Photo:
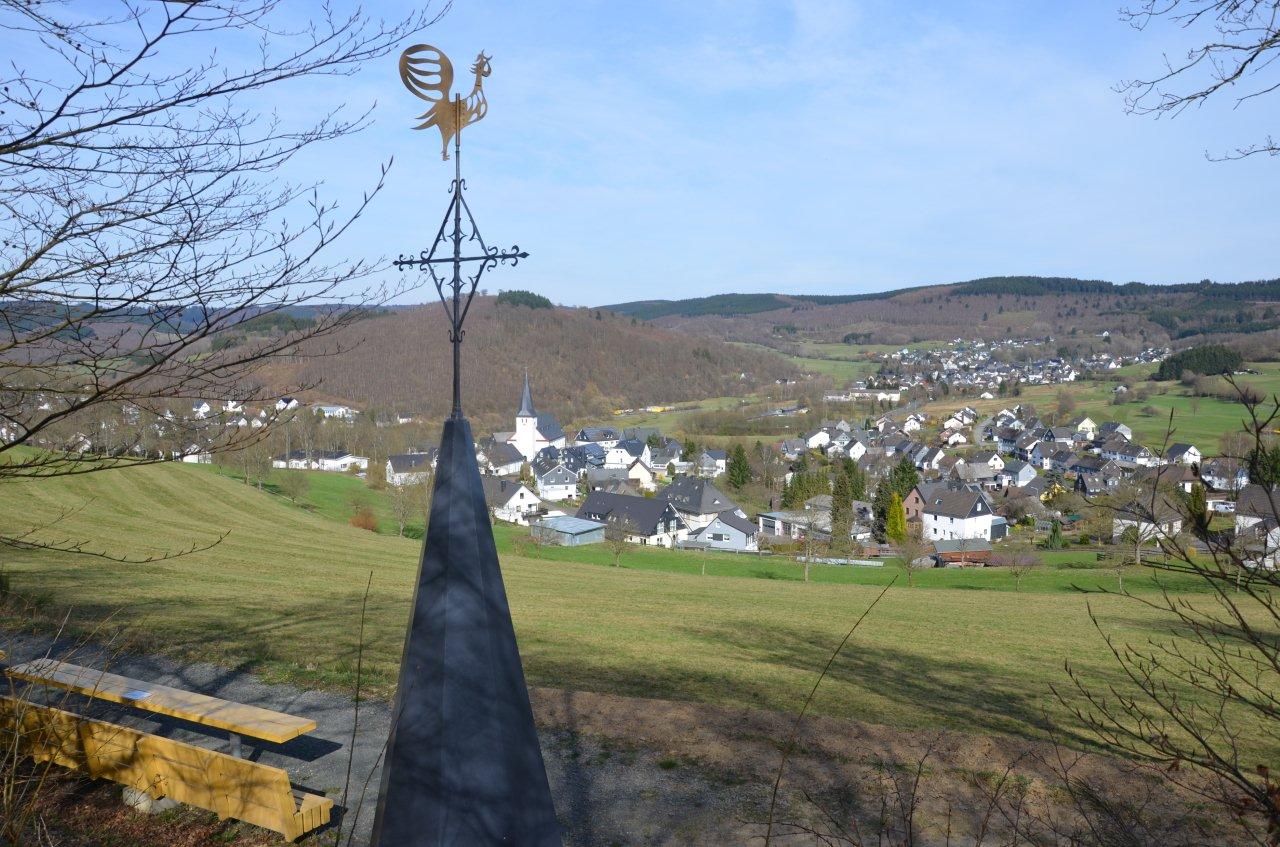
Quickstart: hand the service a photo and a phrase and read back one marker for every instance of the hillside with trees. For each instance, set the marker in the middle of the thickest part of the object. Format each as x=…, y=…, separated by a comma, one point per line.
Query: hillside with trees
x=993, y=307
x=584, y=363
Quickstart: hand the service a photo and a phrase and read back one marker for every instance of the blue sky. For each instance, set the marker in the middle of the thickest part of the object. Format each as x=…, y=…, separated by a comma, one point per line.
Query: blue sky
x=688, y=148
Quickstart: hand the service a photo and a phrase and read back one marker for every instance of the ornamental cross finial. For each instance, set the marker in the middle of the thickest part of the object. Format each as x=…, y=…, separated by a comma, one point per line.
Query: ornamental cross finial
x=428, y=74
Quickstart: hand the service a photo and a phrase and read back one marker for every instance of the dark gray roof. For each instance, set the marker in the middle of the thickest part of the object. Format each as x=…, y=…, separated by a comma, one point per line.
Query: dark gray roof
x=498, y=491
x=549, y=426
x=1255, y=501
x=526, y=401
x=633, y=446
x=957, y=504
x=574, y=458
x=407, y=462
x=594, y=454
x=556, y=475
x=641, y=513
x=737, y=521
x=597, y=433
x=503, y=454
x=697, y=496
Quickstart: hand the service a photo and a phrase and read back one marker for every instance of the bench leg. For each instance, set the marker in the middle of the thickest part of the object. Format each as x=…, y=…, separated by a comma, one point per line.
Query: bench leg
x=233, y=748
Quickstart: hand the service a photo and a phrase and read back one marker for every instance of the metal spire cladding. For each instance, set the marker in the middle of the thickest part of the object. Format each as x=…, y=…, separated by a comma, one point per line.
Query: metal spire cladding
x=463, y=766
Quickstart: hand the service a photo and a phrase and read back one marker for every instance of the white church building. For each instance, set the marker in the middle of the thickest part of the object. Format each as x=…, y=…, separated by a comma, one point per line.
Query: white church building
x=534, y=431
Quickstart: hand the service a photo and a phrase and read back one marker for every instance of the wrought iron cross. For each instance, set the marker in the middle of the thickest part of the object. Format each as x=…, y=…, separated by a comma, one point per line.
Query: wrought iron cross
x=456, y=303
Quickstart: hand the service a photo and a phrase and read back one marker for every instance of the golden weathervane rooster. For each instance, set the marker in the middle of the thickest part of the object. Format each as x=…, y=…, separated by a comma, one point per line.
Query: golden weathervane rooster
x=428, y=74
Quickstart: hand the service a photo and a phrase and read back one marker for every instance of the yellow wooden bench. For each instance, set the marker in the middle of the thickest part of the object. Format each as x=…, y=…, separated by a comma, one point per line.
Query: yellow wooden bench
x=230, y=787
x=236, y=718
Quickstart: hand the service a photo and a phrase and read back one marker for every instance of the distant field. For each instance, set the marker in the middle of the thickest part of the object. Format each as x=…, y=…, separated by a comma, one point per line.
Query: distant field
x=281, y=595
x=844, y=363
x=1200, y=420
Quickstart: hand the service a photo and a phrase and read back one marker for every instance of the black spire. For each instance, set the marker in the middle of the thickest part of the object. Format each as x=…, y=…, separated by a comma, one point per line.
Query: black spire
x=463, y=765
x=526, y=401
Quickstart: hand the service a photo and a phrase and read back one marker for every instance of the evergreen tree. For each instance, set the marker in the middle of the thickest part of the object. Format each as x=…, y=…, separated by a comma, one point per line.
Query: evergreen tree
x=904, y=477
x=857, y=479
x=739, y=469
x=1197, y=511
x=1055, y=541
x=895, y=527
x=880, y=509
x=841, y=499
x=1264, y=465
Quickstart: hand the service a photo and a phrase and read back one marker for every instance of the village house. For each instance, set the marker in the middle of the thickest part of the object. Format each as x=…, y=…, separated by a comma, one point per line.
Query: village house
x=338, y=461
x=605, y=436
x=644, y=520
x=1015, y=473
x=817, y=440
x=1098, y=484
x=797, y=525
x=626, y=451
x=956, y=514
x=1224, y=474
x=990, y=458
x=1110, y=429
x=1257, y=525
x=1166, y=478
x=337, y=412
x=1130, y=454
x=1182, y=454
x=1151, y=522
x=792, y=448
x=698, y=501
x=501, y=459
x=410, y=468
x=641, y=475
x=1086, y=426
x=711, y=463
x=510, y=500
x=729, y=530
x=613, y=480
x=555, y=483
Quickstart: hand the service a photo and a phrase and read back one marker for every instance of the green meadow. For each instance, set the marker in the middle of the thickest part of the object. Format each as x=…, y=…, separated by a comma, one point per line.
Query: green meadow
x=281, y=590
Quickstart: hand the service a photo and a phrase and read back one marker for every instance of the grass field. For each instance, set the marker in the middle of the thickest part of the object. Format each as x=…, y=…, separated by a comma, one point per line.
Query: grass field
x=281, y=595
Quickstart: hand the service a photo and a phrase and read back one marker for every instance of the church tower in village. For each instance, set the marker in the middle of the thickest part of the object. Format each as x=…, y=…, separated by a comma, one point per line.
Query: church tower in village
x=526, y=437
x=534, y=431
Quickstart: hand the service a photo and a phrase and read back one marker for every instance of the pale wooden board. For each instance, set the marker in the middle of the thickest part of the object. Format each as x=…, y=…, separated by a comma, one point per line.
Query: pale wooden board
x=239, y=718
x=231, y=787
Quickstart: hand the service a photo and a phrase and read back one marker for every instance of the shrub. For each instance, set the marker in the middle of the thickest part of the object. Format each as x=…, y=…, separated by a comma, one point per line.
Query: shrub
x=364, y=519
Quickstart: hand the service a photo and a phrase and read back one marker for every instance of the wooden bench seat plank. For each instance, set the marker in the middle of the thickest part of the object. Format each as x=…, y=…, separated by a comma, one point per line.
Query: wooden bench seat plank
x=230, y=787
x=252, y=721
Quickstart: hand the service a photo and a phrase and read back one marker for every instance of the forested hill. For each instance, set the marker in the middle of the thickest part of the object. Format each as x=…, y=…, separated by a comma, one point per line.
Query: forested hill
x=729, y=305
x=583, y=363
x=994, y=307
